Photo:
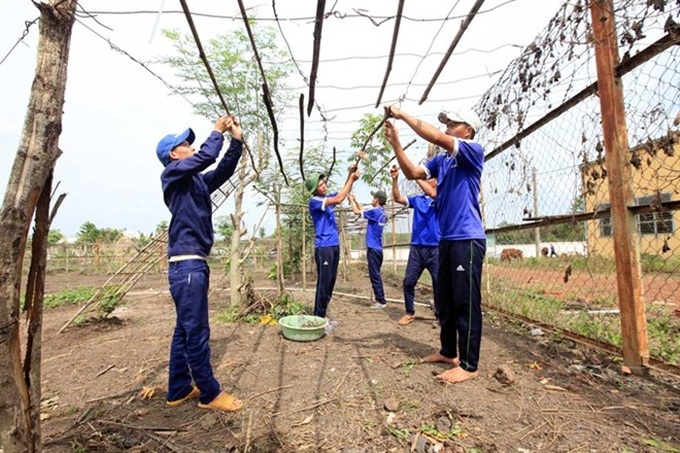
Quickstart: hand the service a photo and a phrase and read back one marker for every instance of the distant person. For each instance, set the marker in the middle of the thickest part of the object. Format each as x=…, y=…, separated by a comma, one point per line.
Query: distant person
x=374, y=244
x=326, y=240
x=424, y=251
x=552, y=251
x=186, y=192
x=462, y=243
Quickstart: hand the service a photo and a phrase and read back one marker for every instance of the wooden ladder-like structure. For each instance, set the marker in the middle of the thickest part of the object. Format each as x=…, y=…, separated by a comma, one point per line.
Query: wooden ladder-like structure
x=120, y=283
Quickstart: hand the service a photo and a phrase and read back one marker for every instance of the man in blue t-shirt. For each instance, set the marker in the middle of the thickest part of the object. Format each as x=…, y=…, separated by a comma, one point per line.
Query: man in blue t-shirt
x=374, y=248
x=326, y=240
x=186, y=192
x=463, y=242
x=424, y=251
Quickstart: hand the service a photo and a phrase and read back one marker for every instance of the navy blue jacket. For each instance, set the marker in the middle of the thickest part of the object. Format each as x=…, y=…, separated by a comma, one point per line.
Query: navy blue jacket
x=186, y=192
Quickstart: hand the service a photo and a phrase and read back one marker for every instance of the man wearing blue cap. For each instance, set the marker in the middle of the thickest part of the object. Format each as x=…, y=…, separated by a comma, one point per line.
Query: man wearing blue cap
x=374, y=245
x=326, y=240
x=462, y=244
x=186, y=192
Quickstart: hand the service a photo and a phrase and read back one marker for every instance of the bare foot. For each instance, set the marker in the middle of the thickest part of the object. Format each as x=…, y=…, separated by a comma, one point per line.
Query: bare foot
x=457, y=375
x=438, y=358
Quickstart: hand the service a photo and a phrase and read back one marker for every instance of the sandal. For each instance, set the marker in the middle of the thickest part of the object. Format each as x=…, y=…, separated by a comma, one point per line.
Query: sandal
x=406, y=320
x=223, y=402
x=192, y=394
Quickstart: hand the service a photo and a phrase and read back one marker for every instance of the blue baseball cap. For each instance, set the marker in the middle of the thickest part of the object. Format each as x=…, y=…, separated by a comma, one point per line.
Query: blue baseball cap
x=169, y=142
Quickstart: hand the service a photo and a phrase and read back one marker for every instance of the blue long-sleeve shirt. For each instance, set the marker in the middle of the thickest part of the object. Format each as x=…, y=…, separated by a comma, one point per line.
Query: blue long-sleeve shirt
x=186, y=192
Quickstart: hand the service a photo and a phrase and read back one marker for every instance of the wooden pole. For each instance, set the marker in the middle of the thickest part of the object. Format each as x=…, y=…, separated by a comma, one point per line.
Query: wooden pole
x=394, y=238
x=537, y=231
x=279, y=246
x=304, y=248
x=626, y=252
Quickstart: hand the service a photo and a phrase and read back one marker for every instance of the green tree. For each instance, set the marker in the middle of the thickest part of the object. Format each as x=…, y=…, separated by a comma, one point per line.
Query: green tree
x=224, y=227
x=376, y=153
x=161, y=227
x=568, y=232
x=54, y=237
x=262, y=232
x=90, y=234
x=232, y=59
x=525, y=236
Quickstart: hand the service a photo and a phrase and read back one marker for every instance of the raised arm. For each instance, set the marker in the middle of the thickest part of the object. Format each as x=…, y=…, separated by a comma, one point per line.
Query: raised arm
x=354, y=204
x=225, y=169
x=410, y=170
x=352, y=176
x=425, y=130
x=429, y=187
x=396, y=194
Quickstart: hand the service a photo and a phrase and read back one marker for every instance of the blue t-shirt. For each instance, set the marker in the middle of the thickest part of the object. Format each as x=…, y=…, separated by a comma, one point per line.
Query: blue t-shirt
x=376, y=223
x=425, y=227
x=324, y=222
x=459, y=176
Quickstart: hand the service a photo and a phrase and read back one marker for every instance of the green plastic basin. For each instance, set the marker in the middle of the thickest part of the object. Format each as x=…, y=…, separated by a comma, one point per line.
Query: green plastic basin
x=302, y=327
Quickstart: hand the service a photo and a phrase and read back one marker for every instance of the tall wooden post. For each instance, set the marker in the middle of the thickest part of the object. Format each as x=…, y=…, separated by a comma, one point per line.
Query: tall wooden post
x=304, y=248
x=394, y=237
x=626, y=253
x=279, y=246
x=537, y=231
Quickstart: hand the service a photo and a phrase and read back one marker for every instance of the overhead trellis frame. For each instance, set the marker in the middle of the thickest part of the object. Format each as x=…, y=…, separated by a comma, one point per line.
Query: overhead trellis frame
x=463, y=26
x=302, y=74
x=320, y=8
x=201, y=53
x=395, y=36
x=265, y=88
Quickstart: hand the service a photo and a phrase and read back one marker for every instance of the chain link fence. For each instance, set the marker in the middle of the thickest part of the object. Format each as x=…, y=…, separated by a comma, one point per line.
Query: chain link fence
x=546, y=191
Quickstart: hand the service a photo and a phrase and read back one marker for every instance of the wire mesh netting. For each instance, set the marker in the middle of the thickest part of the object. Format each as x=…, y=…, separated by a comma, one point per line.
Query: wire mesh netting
x=546, y=191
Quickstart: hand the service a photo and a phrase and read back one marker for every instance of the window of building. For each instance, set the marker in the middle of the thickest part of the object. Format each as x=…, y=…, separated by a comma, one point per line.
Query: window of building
x=654, y=222
x=650, y=223
x=605, y=222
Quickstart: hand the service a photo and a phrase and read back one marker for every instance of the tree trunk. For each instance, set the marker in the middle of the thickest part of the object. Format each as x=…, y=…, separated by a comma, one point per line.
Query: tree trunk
x=35, y=292
x=35, y=158
x=235, y=260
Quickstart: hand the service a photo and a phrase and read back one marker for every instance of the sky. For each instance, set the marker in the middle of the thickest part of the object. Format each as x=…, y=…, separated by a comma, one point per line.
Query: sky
x=115, y=111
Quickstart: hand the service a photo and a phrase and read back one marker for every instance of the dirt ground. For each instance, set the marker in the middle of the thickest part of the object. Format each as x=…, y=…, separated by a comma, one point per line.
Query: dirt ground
x=359, y=389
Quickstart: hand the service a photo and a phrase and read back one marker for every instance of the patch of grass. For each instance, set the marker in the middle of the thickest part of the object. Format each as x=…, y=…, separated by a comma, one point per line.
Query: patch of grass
x=659, y=264
x=432, y=431
x=369, y=423
x=411, y=405
x=597, y=264
x=69, y=296
x=661, y=445
x=108, y=304
x=287, y=306
x=593, y=327
x=234, y=314
x=401, y=434
x=663, y=332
